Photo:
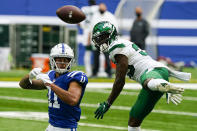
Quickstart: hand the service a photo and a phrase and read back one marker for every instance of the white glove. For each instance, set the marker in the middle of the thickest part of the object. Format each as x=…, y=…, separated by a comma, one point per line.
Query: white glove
x=174, y=98
x=33, y=73
x=45, y=78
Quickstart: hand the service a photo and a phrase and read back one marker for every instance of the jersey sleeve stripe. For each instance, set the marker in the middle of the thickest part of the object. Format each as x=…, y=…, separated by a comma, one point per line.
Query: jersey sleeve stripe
x=63, y=50
x=49, y=72
x=116, y=46
x=75, y=73
x=70, y=73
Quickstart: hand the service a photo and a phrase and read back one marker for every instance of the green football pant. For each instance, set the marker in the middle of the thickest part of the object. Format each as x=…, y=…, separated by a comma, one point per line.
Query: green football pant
x=147, y=99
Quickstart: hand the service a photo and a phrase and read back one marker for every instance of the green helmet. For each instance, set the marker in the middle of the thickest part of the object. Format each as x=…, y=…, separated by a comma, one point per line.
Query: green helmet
x=104, y=33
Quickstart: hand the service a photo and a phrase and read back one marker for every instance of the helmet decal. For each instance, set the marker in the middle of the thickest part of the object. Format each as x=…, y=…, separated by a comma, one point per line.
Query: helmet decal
x=62, y=48
x=104, y=33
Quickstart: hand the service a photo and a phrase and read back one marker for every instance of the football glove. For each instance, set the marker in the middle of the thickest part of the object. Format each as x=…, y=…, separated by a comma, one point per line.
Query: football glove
x=174, y=98
x=103, y=107
x=45, y=78
x=169, y=88
x=33, y=73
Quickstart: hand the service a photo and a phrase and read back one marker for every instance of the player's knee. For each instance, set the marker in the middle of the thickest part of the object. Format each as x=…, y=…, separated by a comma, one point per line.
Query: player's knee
x=153, y=83
x=146, y=83
x=133, y=122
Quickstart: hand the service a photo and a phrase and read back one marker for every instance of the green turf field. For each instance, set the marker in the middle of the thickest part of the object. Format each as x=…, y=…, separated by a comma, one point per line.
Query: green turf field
x=16, y=74
x=165, y=117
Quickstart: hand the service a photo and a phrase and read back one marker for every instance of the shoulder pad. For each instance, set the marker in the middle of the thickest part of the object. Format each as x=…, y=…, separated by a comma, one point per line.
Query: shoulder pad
x=74, y=73
x=116, y=46
x=51, y=71
x=78, y=76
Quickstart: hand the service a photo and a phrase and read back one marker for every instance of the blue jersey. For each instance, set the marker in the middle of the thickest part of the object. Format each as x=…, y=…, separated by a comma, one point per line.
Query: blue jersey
x=61, y=114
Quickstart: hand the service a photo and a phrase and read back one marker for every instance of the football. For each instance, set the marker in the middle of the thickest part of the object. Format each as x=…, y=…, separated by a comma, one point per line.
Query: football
x=70, y=14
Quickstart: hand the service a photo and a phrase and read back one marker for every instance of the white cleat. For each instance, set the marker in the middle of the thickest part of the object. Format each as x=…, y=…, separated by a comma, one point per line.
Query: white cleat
x=165, y=87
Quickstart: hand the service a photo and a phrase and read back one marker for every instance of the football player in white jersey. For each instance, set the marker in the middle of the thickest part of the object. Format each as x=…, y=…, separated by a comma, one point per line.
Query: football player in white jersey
x=89, y=11
x=132, y=61
x=65, y=89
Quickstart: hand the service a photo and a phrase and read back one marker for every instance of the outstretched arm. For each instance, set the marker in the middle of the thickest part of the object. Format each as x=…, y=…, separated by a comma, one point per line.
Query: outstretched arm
x=121, y=71
x=36, y=84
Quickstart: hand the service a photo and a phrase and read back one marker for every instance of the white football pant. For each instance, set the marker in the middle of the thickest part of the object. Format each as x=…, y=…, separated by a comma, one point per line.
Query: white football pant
x=52, y=128
x=87, y=63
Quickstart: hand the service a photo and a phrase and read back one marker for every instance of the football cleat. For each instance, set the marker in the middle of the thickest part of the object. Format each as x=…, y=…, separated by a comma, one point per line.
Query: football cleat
x=165, y=87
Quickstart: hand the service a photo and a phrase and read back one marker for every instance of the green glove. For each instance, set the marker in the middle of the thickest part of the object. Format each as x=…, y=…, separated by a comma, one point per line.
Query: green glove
x=103, y=107
x=89, y=47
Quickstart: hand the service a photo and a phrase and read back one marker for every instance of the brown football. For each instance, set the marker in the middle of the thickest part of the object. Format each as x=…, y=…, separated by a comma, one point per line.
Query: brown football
x=70, y=14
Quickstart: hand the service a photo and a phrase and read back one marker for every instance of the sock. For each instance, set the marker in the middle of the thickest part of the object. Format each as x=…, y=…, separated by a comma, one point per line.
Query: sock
x=153, y=83
x=134, y=128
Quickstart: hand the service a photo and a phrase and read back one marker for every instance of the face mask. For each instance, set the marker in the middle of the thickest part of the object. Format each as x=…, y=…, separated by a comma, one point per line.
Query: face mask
x=102, y=11
x=138, y=14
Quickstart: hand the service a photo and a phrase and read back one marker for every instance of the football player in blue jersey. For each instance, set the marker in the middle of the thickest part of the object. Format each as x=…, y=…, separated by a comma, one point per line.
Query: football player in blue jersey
x=65, y=89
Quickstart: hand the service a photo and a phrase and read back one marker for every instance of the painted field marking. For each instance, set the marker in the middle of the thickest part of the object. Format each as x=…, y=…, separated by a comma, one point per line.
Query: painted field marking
x=193, y=86
x=155, y=111
x=96, y=105
x=43, y=116
x=111, y=127
x=135, y=94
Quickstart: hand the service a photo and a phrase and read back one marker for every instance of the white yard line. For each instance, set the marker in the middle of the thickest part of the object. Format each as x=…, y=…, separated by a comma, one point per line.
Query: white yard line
x=103, y=126
x=111, y=127
x=190, y=98
x=43, y=116
x=96, y=105
x=135, y=94
x=98, y=86
x=193, y=86
x=155, y=111
x=108, y=92
x=89, y=90
x=24, y=99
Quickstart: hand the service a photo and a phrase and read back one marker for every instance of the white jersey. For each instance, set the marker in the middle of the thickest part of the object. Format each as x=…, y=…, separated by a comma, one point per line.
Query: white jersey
x=138, y=60
x=89, y=11
x=107, y=16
